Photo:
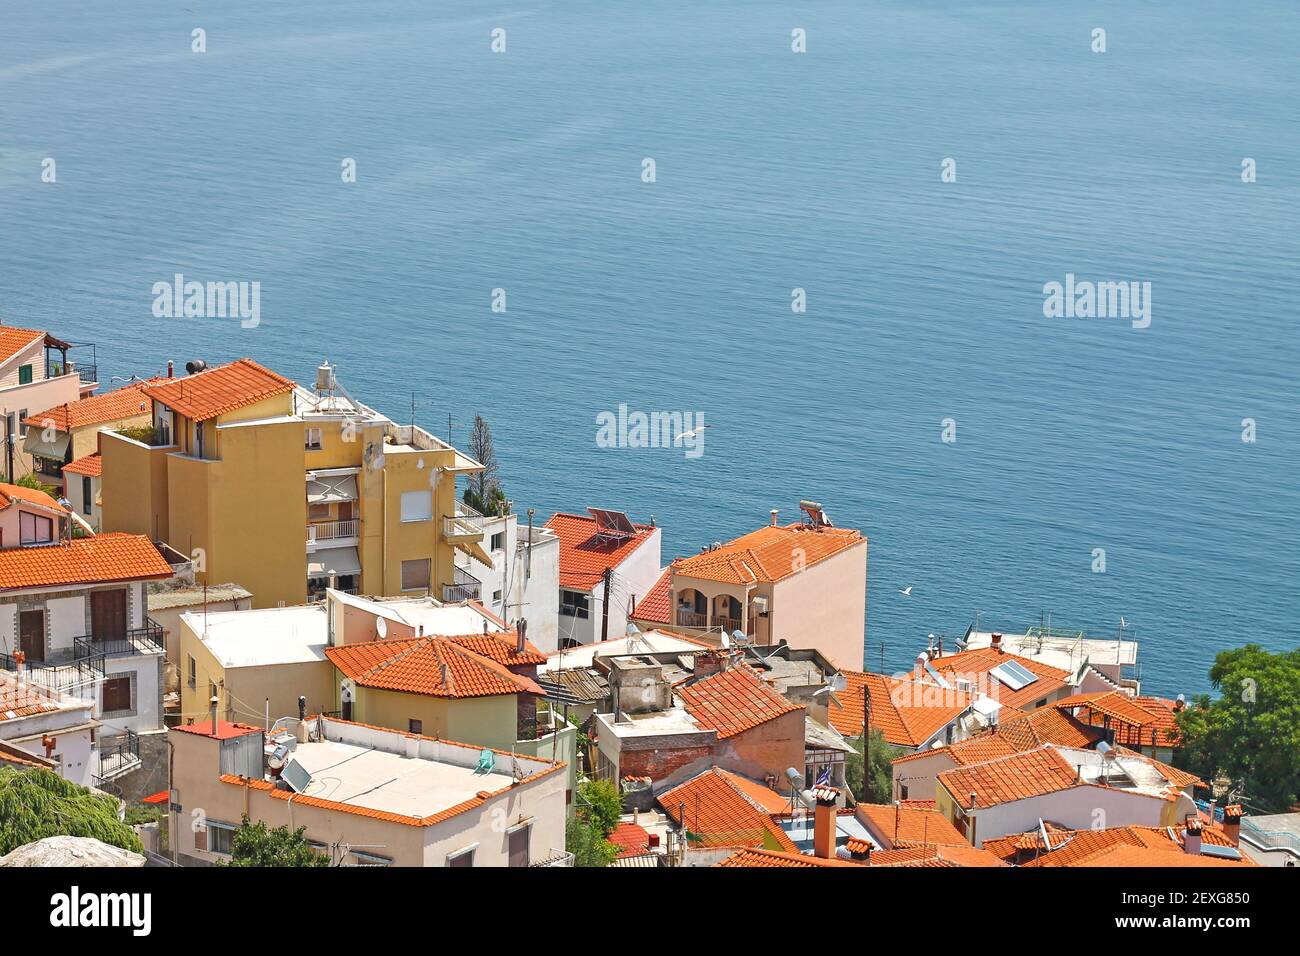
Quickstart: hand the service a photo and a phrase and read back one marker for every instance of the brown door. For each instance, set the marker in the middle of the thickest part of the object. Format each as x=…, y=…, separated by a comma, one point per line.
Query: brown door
x=519, y=846
x=117, y=694
x=31, y=634
x=108, y=615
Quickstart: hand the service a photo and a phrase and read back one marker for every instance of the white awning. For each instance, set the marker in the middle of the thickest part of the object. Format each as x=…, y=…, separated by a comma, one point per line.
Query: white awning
x=324, y=489
x=57, y=449
x=333, y=561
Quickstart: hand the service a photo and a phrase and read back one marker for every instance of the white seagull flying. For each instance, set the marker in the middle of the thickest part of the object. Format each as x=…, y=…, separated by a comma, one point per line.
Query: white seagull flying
x=907, y=591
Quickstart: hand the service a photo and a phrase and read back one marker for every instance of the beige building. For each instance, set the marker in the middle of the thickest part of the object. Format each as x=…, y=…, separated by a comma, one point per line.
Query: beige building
x=35, y=373
x=803, y=583
x=366, y=795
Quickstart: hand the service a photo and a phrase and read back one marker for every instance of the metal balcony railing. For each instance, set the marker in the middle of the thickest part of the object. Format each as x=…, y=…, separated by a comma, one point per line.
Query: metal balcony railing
x=117, y=756
x=62, y=675
x=464, y=587
x=555, y=858
x=138, y=640
x=332, y=530
x=467, y=522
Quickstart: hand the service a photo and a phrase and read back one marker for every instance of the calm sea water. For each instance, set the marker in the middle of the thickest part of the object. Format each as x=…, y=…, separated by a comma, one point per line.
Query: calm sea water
x=774, y=171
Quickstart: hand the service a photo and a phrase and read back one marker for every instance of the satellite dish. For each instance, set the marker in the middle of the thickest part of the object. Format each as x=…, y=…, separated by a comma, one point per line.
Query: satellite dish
x=381, y=628
x=738, y=637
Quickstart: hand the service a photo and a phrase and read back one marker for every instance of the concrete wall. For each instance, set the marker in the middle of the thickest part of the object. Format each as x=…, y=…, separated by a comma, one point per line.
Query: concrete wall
x=483, y=721
x=824, y=607
x=23, y=400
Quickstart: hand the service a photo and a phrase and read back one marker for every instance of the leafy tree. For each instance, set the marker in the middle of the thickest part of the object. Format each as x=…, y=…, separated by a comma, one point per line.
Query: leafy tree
x=601, y=804
x=255, y=845
x=1251, y=733
x=883, y=754
x=484, y=492
x=35, y=804
x=583, y=839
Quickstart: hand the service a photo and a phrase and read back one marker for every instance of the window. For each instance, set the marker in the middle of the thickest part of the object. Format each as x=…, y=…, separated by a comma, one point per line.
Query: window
x=519, y=839
x=313, y=442
x=415, y=726
x=87, y=496
x=34, y=529
x=221, y=838
x=117, y=695
x=499, y=541
x=463, y=857
x=22, y=423
x=197, y=450
x=417, y=505
x=574, y=603
x=496, y=595
x=24, y=374
x=415, y=574
x=193, y=670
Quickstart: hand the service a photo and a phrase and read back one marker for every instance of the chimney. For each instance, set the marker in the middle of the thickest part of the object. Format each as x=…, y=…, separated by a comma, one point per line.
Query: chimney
x=824, y=822
x=170, y=371
x=774, y=514
x=20, y=665
x=995, y=642
x=302, y=707
x=1232, y=822
x=860, y=852
x=212, y=708
x=708, y=662
x=521, y=629
x=921, y=660
x=974, y=799
x=49, y=743
x=1192, y=837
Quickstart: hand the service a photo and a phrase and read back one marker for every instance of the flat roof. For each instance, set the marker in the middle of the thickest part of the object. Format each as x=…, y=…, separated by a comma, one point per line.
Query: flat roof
x=192, y=594
x=675, y=720
x=379, y=780
x=427, y=613
x=276, y=635
x=1060, y=650
x=651, y=642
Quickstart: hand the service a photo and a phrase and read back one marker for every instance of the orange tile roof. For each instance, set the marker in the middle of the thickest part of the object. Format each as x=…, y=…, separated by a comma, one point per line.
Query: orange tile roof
x=903, y=826
x=630, y=838
x=499, y=647
x=733, y=701
x=1129, y=846
x=770, y=858
x=22, y=700
x=723, y=809
x=104, y=557
x=435, y=666
x=129, y=401
x=1017, y=777
x=975, y=665
x=1179, y=778
x=768, y=554
x=216, y=391
x=654, y=606
x=931, y=854
x=1047, y=725
x=226, y=730
x=14, y=340
x=11, y=493
x=92, y=465
x=906, y=712
x=1137, y=722
x=583, y=556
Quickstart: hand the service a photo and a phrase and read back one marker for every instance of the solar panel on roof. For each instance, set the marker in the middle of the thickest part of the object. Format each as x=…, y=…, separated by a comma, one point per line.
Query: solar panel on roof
x=1013, y=675
x=1222, y=852
x=296, y=776
x=614, y=524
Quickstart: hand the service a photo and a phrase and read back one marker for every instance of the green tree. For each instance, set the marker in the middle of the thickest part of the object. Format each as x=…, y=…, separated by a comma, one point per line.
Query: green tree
x=255, y=845
x=1251, y=733
x=484, y=492
x=35, y=804
x=601, y=804
x=583, y=839
x=883, y=754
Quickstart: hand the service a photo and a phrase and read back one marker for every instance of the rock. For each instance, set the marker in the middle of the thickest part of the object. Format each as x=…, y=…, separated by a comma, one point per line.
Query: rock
x=70, y=851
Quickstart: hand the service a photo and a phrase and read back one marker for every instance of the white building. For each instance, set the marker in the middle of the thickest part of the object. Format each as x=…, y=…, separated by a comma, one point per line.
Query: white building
x=607, y=565
x=523, y=580
x=57, y=730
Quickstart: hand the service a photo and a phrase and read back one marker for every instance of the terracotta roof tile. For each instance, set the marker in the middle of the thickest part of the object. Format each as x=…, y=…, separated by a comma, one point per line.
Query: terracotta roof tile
x=583, y=556
x=435, y=666
x=1047, y=725
x=902, y=826
x=14, y=340
x=1136, y=722
x=129, y=401
x=11, y=493
x=104, y=557
x=768, y=554
x=931, y=854
x=216, y=391
x=630, y=838
x=1016, y=777
x=92, y=465
x=723, y=809
x=499, y=647
x=23, y=700
x=770, y=859
x=975, y=665
x=733, y=701
x=1128, y=846
x=226, y=730
x=906, y=712
x=654, y=606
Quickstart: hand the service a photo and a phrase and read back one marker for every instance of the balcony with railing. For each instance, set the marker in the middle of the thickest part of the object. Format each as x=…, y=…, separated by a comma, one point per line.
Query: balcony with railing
x=464, y=587
x=137, y=640
x=64, y=674
x=332, y=532
x=467, y=522
x=118, y=756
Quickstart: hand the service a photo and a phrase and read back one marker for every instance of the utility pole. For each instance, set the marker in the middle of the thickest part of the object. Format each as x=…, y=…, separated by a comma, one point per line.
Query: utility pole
x=866, y=743
x=604, y=607
x=9, y=447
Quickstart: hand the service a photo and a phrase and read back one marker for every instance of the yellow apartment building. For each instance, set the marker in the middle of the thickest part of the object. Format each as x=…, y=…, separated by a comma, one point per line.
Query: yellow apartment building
x=290, y=490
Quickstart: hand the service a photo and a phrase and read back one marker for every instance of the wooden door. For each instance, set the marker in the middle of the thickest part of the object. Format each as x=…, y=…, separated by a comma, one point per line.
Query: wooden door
x=31, y=634
x=108, y=615
x=519, y=846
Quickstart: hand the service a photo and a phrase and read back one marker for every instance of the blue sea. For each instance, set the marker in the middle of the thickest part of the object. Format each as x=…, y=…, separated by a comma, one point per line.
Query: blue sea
x=774, y=170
